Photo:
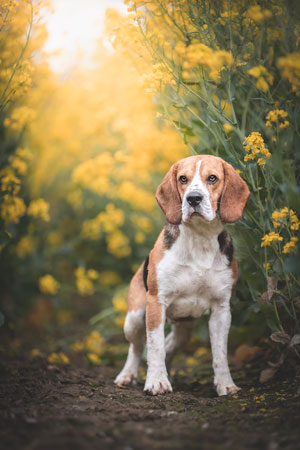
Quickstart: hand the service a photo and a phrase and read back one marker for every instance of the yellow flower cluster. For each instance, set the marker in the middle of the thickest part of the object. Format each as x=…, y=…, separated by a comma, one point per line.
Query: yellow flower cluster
x=48, y=285
x=290, y=245
x=141, y=199
x=20, y=116
x=95, y=173
x=257, y=14
x=263, y=76
x=109, y=278
x=277, y=115
x=284, y=216
x=120, y=304
x=64, y=316
x=94, y=342
x=255, y=147
x=93, y=358
x=18, y=164
x=118, y=244
x=93, y=345
x=84, y=280
x=156, y=78
x=12, y=208
x=58, y=358
x=269, y=238
x=9, y=181
x=290, y=69
x=39, y=209
x=25, y=246
x=142, y=222
x=200, y=54
x=108, y=220
x=227, y=128
x=120, y=307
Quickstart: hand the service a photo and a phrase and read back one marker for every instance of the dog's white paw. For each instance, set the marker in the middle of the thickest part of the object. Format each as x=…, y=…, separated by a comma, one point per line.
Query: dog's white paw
x=226, y=389
x=125, y=379
x=156, y=385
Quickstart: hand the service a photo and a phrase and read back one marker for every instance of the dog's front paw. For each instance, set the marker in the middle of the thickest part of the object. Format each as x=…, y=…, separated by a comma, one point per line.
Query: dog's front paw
x=125, y=379
x=156, y=385
x=226, y=389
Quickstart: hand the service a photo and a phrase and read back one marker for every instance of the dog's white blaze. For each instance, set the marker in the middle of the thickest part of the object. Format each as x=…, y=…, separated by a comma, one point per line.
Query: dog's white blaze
x=205, y=205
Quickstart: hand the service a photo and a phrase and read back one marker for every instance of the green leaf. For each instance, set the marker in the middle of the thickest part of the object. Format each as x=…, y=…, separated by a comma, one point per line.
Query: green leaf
x=292, y=264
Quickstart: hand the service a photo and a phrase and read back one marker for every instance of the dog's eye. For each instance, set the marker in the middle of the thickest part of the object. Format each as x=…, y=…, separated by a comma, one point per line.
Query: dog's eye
x=183, y=179
x=212, y=179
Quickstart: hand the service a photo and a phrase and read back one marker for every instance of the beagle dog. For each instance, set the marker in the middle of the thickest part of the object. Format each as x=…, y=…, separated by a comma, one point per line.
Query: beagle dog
x=190, y=269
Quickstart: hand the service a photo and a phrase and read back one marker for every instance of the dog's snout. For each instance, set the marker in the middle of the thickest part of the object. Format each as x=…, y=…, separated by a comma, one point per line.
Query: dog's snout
x=194, y=198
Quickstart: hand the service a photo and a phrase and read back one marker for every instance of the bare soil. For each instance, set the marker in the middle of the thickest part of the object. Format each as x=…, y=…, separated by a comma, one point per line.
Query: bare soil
x=76, y=407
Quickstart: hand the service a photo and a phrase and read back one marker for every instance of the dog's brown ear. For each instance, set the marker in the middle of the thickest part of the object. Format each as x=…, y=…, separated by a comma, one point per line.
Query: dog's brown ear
x=234, y=196
x=168, y=198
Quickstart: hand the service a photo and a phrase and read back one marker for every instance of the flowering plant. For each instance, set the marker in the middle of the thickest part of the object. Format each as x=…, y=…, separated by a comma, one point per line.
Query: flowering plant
x=228, y=81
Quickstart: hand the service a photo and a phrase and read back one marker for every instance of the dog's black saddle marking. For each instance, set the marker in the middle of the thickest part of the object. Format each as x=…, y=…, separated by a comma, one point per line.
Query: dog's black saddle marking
x=145, y=272
x=226, y=245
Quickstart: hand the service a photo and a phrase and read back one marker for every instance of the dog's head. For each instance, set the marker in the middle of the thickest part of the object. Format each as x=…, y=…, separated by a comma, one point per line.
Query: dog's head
x=203, y=186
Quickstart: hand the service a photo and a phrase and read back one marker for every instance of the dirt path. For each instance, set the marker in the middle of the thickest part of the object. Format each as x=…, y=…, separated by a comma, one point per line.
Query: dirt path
x=60, y=408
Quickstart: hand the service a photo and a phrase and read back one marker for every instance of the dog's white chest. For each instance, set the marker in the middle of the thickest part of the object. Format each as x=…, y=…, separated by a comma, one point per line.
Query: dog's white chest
x=191, y=275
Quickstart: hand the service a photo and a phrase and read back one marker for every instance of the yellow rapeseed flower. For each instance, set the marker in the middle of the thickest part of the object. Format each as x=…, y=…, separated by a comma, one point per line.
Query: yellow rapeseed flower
x=277, y=116
x=48, y=284
x=255, y=147
x=58, y=358
x=257, y=14
x=290, y=69
x=12, y=209
x=77, y=346
x=94, y=343
x=264, y=78
x=39, y=209
x=295, y=223
x=227, y=128
x=269, y=238
x=109, y=278
x=119, y=321
x=94, y=358
x=83, y=282
x=284, y=216
x=25, y=246
x=120, y=304
x=290, y=245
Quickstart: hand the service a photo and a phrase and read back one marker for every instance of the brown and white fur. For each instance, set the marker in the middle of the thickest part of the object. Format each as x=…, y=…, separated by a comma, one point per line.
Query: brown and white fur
x=191, y=269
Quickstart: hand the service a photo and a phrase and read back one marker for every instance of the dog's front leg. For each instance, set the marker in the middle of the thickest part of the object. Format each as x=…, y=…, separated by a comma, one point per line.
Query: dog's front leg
x=157, y=378
x=219, y=324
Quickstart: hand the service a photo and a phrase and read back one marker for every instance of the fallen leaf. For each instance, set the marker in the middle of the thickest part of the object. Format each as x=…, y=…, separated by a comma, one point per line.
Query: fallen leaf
x=281, y=337
x=267, y=374
x=295, y=340
x=244, y=353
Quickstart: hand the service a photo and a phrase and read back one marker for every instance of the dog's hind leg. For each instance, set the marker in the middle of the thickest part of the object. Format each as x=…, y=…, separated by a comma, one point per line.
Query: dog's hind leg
x=177, y=339
x=134, y=329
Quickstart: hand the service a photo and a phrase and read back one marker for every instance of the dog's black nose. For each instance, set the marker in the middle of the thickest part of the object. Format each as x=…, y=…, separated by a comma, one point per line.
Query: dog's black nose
x=194, y=198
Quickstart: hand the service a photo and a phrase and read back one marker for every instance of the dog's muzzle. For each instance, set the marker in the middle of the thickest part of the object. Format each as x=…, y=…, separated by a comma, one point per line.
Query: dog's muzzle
x=194, y=199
